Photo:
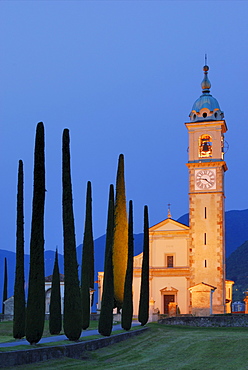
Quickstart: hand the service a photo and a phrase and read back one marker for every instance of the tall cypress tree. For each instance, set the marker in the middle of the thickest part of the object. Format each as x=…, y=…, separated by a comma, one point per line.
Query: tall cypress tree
x=36, y=288
x=144, y=289
x=87, y=273
x=5, y=284
x=72, y=297
x=127, y=307
x=55, y=317
x=105, y=323
x=19, y=292
x=120, y=244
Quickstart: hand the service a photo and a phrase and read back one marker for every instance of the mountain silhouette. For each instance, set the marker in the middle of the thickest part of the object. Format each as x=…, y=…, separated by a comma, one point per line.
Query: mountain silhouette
x=236, y=270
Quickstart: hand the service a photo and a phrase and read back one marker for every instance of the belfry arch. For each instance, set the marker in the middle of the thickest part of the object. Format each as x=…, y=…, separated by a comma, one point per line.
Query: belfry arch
x=205, y=146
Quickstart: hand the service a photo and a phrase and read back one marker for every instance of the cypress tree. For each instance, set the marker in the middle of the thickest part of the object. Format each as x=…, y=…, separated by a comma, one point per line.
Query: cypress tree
x=144, y=289
x=55, y=317
x=36, y=288
x=105, y=323
x=127, y=307
x=120, y=244
x=5, y=284
x=87, y=273
x=72, y=298
x=19, y=292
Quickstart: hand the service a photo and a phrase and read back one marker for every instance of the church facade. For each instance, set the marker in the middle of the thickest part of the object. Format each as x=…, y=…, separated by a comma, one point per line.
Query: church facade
x=187, y=263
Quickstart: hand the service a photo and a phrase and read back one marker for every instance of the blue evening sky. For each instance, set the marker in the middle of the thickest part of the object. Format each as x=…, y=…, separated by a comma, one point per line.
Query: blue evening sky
x=122, y=76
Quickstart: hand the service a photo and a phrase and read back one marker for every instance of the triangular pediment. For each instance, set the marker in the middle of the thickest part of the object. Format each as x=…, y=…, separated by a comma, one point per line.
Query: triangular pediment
x=9, y=299
x=168, y=289
x=201, y=287
x=169, y=225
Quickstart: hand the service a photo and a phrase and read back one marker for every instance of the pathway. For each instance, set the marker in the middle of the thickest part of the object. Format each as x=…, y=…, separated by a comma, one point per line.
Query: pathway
x=57, y=338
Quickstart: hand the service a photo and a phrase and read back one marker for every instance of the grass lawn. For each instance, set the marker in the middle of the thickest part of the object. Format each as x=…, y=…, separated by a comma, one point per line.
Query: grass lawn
x=164, y=347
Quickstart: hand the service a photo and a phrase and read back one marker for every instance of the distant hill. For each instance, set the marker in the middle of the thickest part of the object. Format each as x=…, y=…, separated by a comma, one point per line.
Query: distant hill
x=237, y=270
x=236, y=235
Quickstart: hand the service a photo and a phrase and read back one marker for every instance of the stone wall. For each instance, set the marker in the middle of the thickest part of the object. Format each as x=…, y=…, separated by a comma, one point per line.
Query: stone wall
x=73, y=350
x=208, y=321
x=4, y=317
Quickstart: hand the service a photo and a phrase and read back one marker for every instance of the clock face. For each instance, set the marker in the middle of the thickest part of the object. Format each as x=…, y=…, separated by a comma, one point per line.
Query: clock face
x=205, y=179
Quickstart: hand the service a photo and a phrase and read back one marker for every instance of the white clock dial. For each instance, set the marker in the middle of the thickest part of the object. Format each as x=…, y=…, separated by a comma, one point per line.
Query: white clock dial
x=205, y=179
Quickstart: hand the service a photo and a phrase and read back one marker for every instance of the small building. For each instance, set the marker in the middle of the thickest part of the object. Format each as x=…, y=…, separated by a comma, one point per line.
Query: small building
x=9, y=306
x=238, y=306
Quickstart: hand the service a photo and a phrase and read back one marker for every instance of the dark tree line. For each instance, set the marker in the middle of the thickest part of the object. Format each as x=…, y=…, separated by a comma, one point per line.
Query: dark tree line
x=72, y=295
x=106, y=315
x=127, y=308
x=114, y=250
x=87, y=273
x=55, y=317
x=19, y=292
x=35, y=312
x=36, y=287
x=118, y=267
x=5, y=284
x=144, y=289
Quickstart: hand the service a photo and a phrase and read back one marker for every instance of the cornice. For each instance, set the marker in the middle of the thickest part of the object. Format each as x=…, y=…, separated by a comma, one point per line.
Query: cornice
x=164, y=272
x=169, y=233
x=202, y=124
x=202, y=164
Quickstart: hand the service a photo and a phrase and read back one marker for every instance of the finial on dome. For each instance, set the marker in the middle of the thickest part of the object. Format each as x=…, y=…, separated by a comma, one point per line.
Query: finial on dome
x=205, y=82
x=169, y=212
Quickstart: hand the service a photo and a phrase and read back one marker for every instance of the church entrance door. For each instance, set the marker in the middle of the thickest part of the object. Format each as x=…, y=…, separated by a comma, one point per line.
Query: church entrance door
x=167, y=299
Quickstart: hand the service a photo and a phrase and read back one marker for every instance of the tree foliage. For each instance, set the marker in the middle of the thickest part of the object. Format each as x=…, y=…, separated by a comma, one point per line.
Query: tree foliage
x=55, y=317
x=36, y=288
x=127, y=307
x=19, y=292
x=72, y=297
x=106, y=315
x=87, y=273
x=144, y=288
x=120, y=244
x=5, y=284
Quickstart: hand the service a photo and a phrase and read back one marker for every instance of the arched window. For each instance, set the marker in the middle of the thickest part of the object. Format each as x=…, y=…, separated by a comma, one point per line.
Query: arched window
x=205, y=146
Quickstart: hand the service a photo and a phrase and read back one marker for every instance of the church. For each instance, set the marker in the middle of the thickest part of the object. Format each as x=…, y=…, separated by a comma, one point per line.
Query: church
x=187, y=263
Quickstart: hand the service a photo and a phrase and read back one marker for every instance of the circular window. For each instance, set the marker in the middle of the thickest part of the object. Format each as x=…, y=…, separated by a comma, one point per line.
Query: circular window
x=204, y=115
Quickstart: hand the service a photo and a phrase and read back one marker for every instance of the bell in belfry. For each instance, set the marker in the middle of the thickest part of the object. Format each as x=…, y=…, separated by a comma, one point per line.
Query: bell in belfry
x=205, y=147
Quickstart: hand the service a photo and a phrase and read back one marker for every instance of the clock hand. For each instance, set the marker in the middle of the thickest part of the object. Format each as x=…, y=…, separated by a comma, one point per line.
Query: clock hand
x=207, y=181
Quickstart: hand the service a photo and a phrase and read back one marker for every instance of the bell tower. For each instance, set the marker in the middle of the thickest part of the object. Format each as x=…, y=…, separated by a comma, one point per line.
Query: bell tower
x=206, y=166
